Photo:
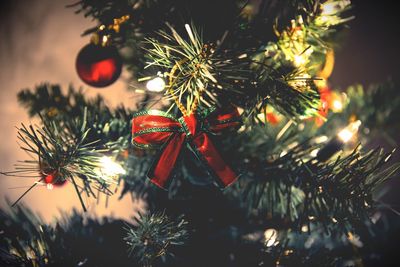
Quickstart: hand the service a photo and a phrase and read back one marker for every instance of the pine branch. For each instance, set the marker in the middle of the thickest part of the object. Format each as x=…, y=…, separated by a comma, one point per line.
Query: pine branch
x=304, y=190
x=64, y=152
x=305, y=42
x=376, y=106
x=109, y=128
x=75, y=240
x=193, y=67
x=227, y=75
x=154, y=235
x=298, y=55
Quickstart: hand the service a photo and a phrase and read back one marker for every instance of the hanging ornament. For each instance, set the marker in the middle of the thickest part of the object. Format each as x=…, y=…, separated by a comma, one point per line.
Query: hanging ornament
x=99, y=64
x=154, y=128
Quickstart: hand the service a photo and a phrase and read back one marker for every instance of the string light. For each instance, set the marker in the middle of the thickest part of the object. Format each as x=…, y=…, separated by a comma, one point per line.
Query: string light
x=156, y=85
x=105, y=39
x=337, y=102
x=332, y=7
x=270, y=236
x=347, y=133
x=109, y=168
x=321, y=139
x=314, y=152
x=330, y=12
x=337, y=106
x=354, y=240
x=299, y=60
x=337, y=143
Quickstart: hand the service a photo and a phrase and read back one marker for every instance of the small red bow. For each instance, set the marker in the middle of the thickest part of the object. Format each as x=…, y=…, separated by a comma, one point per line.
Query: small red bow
x=156, y=128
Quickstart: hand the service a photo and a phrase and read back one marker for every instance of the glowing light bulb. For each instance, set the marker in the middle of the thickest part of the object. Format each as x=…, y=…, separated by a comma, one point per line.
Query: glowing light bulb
x=50, y=186
x=337, y=106
x=299, y=60
x=314, y=153
x=329, y=8
x=347, y=133
x=108, y=168
x=355, y=239
x=156, y=85
x=270, y=236
x=332, y=7
x=321, y=139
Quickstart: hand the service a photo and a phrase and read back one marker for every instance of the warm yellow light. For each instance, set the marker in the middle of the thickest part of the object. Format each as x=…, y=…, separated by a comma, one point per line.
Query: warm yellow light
x=332, y=7
x=321, y=139
x=321, y=83
x=104, y=40
x=347, y=133
x=108, y=168
x=314, y=152
x=337, y=106
x=156, y=85
x=270, y=236
x=299, y=60
x=328, y=8
x=261, y=117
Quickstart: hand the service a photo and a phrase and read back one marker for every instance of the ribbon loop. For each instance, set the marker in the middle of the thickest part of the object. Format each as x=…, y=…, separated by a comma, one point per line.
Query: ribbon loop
x=156, y=128
x=153, y=128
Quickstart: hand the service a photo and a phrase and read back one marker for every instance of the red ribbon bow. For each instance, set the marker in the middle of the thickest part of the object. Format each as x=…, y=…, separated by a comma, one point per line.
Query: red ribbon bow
x=155, y=128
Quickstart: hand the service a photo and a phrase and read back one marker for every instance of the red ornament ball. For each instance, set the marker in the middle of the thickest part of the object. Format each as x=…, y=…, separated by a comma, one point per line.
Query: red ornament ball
x=53, y=178
x=98, y=66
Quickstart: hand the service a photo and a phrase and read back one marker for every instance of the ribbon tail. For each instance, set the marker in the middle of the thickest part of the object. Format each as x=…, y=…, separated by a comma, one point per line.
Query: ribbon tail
x=160, y=172
x=207, y=152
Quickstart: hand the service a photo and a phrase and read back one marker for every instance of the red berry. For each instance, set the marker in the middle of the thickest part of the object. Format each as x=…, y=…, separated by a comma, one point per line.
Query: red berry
x=53, y=178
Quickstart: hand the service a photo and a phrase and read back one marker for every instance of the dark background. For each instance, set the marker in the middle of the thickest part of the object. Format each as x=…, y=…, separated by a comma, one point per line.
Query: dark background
x=370, y=51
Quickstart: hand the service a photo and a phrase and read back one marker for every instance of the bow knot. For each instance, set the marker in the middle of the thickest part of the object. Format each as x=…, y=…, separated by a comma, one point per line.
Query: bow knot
x=189, y=125
x=155, y=128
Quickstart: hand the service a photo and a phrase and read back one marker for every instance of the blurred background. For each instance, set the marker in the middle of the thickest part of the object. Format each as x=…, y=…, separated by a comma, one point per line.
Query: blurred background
x=39, y=40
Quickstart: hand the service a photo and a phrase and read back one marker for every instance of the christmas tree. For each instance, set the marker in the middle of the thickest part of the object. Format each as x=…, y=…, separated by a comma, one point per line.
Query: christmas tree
x=236, y=142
